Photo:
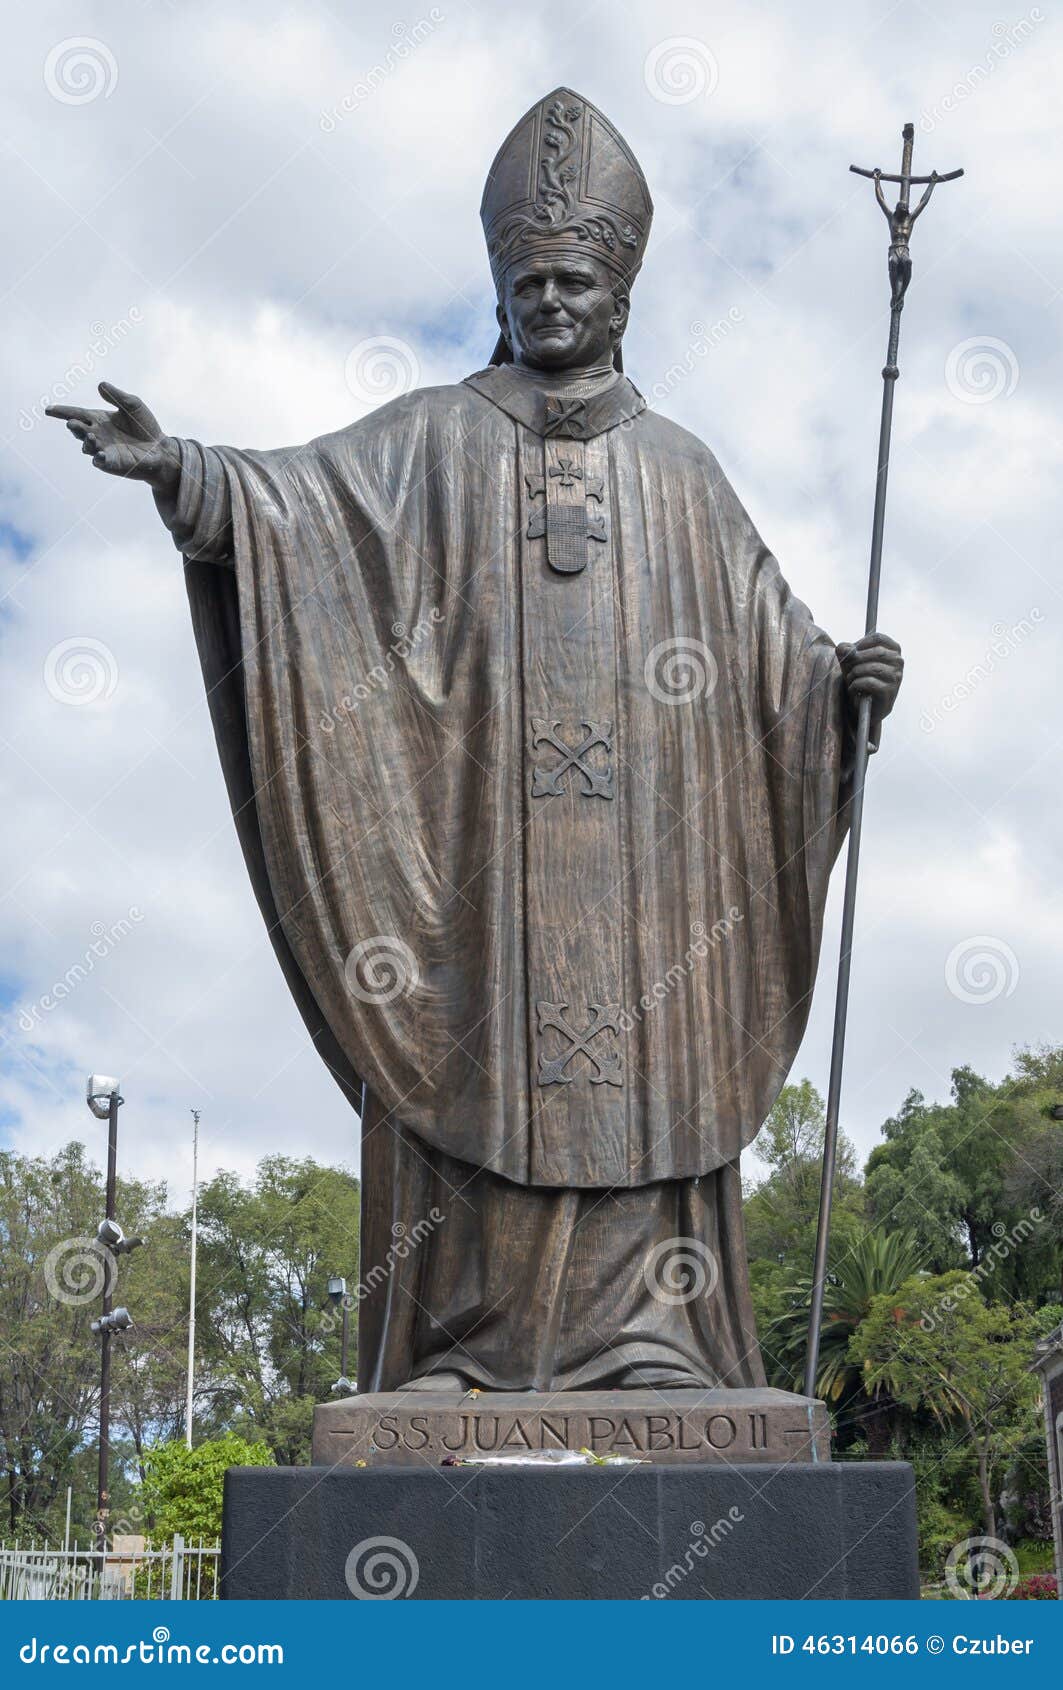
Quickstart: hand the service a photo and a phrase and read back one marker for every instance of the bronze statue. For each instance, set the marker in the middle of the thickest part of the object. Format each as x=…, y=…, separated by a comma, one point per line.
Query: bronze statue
x=540, y=770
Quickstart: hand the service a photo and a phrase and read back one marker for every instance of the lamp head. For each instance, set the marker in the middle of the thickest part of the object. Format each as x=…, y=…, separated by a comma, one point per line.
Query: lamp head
x=119, y=1320
x=99, y=1089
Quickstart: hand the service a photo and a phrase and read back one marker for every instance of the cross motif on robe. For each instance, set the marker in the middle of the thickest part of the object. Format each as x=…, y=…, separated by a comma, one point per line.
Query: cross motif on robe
x=569, y=471
x=549, y=783
x=566, y=417
x=604, y=1019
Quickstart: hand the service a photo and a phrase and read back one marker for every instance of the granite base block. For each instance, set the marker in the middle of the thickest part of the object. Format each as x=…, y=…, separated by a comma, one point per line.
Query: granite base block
x=682, y=1532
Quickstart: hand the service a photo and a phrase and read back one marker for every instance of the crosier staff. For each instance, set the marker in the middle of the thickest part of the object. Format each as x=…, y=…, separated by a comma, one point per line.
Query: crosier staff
x=900, y=220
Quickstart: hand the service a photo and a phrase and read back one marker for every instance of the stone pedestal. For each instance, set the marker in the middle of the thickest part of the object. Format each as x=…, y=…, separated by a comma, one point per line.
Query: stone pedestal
x=682, y=1532
x=425, y=1428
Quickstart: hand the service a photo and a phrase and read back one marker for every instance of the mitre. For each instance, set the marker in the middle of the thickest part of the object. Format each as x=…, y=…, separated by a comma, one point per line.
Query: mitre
x=564, y=177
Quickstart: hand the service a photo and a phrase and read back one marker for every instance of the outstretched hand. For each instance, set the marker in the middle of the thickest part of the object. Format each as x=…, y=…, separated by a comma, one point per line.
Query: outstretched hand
x=873, y=668
x=126, y=441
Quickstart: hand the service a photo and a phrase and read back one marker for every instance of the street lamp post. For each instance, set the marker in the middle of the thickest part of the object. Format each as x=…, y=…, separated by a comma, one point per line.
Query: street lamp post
x=337, y=1290
x=102, y=1096
x=103, y=1099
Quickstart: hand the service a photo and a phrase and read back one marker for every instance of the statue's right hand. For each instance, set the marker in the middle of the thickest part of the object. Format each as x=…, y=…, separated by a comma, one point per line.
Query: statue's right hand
x=126, y=441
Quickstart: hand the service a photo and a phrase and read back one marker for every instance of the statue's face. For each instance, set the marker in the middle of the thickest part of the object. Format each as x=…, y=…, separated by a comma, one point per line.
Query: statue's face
x=562, y=313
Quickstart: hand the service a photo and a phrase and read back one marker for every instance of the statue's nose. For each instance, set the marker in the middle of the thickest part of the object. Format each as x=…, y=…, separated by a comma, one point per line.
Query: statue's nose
x=550, y=301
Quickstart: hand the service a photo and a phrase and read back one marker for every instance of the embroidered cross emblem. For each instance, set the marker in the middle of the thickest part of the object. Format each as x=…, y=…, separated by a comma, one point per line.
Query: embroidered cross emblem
x=604, y=1019
x=550, y=783
x=566, y=418
x=569, y=471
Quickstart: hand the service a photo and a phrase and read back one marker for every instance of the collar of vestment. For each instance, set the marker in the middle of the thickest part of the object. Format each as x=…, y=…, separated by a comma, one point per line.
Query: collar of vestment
x=557, y=415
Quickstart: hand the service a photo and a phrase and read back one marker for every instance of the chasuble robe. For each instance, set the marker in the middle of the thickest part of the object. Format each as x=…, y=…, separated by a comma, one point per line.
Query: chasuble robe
x=537, y=765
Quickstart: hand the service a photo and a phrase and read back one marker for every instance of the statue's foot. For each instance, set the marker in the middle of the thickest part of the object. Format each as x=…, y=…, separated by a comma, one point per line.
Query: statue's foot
x=437, y=1382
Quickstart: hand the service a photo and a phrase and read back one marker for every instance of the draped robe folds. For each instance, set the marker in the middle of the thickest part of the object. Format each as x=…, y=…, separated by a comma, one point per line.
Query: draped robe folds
x=571, y=986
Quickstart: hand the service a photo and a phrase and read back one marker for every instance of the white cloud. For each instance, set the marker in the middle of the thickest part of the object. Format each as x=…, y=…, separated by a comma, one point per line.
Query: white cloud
x=255, y=247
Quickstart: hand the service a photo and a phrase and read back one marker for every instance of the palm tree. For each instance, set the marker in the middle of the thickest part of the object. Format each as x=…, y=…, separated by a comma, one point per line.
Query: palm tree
x=877, y=1263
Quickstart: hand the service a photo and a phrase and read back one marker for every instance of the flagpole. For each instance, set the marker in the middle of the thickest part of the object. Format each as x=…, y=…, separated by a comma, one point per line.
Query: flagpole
x=900, y=220
x=192, y=1279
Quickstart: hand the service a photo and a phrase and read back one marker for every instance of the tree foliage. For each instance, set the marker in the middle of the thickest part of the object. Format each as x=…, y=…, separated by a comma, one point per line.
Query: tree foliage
x=183, y=1487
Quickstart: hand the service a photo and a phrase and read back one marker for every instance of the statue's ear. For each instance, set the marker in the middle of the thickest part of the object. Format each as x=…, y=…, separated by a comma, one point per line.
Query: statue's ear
x=503, y=352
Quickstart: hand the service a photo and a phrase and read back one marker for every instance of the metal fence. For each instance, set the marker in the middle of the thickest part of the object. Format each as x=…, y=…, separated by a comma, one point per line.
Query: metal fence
x=177, y=1572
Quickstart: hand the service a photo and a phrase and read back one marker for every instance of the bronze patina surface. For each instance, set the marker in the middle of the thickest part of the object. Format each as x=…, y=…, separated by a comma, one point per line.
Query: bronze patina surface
x=540, y=769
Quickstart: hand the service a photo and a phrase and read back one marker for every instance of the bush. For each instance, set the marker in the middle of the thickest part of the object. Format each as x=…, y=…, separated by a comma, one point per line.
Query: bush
x=1034, y=1556
x=183, y=1487
x=1037, y=1587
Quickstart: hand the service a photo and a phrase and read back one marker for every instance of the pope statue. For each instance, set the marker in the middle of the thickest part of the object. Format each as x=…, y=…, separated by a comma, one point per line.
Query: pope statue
x=539, y=769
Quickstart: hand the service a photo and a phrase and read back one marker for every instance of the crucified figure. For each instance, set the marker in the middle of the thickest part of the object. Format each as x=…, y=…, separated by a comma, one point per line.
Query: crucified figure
x=900, y=220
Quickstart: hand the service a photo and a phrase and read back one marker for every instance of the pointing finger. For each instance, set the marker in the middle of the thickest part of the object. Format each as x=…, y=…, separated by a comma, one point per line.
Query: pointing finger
x=74, y=413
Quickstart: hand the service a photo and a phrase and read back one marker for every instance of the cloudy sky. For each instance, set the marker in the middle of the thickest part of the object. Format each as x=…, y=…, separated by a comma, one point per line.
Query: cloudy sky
x=218, y=207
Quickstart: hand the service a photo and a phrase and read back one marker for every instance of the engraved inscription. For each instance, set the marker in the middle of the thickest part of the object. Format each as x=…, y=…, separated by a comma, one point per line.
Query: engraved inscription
x=636, y=1433
x=689, y=1426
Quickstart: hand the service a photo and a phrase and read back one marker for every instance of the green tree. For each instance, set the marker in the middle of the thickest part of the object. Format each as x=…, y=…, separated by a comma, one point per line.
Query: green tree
x=963, y=1175
x=911, y=1188
x=935, y=1344
x=183, y=1487
x=272, y=1343
x=782, y=1211
x=51, y=1275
